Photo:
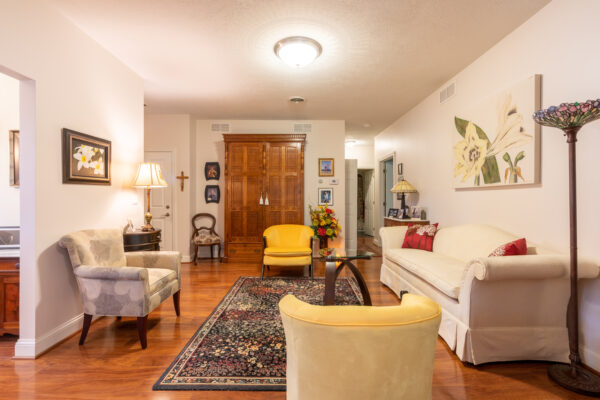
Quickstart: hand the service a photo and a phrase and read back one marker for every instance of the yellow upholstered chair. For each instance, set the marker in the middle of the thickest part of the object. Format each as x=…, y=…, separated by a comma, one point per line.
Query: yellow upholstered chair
x=287, y=245
x=360, y=352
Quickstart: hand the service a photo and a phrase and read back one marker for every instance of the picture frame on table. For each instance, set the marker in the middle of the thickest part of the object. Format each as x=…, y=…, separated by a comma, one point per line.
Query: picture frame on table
x=212, y=194
x=418, y=212
x=326, y=167
x=325, y=196
x=393, y=213
x=86, y=158
x=212, y=171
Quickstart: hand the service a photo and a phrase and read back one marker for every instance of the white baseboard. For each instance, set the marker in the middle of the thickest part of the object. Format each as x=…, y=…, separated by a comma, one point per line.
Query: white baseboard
x=590, y=357
x=186, y=259
x=31, y=348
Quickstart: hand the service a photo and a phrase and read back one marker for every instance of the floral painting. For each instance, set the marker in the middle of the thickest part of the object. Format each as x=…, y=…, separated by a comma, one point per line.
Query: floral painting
x=496, y=143
x=86, y=159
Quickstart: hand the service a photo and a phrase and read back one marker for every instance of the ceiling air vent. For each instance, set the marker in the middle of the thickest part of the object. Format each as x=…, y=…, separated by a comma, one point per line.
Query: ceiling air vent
x=302, y=128
x=447, y=92
x=220, y=128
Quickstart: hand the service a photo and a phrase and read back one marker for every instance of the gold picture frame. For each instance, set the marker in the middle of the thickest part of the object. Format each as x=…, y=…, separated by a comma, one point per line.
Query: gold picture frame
x=14, y=146
x=326, y=167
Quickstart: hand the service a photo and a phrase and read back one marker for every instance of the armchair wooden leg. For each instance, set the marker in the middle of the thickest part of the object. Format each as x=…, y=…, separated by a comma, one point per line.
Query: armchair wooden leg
x=212, y=253
x=219, y=251
x=311, y=269
x=118, y=318
x=142, y=325
x=262, y=271
x=176, y=302
x=87, y=320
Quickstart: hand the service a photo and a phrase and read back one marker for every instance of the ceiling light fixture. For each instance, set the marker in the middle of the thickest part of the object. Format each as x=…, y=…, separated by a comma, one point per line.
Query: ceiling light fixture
x=350, y=142
x=298, y=51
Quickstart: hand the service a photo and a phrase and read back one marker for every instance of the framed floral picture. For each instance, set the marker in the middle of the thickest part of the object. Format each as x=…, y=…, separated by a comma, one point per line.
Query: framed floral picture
x=326, y=167
x=86, y=158
x=212, y=171
x=212, y=194
x=496, y=142
x=325, y=196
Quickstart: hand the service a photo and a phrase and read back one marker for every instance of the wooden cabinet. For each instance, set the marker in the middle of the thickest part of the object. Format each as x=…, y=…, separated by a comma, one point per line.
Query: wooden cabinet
x=140, y=240
x=9, y=296
x=388, y=221
x=264, y=186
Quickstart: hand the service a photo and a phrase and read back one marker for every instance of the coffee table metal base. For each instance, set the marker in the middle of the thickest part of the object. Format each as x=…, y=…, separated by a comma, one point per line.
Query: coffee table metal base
x=332, y=270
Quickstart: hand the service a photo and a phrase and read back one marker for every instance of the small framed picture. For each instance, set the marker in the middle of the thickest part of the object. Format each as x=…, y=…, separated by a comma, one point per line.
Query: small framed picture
x=393, y=212
x=418, y=212
x=212, y=194
x=212, y=171
x=326, y=167
x=86, y=159
x=325, y=196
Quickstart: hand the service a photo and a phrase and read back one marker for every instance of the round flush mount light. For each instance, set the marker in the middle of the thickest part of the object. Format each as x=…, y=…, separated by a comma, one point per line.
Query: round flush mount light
x=298, y=51
x=350, y=142
x=297, y=99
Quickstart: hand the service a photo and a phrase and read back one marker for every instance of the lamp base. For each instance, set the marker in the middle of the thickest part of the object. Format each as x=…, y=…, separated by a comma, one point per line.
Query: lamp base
x=584, y=381
x=148, y=217
x=147, y=228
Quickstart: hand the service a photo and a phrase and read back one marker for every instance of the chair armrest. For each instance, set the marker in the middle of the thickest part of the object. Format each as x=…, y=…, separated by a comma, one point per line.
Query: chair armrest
x=392, y=237
x=112, y=273
x=530, y=267
x=155, y=259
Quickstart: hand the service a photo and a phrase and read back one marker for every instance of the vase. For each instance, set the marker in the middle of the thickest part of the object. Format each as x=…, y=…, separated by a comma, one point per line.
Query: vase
x=323, y=242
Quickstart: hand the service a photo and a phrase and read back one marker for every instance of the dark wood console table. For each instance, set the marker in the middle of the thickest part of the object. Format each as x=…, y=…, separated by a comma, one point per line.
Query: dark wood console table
x=140, y=240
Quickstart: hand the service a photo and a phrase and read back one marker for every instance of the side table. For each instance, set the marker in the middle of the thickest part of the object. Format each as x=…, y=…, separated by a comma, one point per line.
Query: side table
x=140, y=240
x=334, y=263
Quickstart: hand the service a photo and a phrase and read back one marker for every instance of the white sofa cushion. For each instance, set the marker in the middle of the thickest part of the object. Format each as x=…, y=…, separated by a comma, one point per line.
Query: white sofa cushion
x=466, y=242
x=443, y=272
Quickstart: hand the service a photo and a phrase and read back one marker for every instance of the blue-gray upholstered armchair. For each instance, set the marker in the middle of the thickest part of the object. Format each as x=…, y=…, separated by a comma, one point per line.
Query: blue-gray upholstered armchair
x=115, y=283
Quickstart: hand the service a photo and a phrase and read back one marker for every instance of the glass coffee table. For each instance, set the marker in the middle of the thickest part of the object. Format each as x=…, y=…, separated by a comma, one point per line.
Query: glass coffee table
x=335, y=261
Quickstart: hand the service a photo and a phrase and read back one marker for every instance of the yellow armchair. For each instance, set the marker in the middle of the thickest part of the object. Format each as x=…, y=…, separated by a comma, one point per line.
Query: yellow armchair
x=359, y=352
x=287, y=245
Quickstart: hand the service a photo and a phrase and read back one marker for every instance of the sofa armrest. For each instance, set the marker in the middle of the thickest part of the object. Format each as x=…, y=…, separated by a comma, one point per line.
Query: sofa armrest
x=530, y=267
x=155, y=259
x=112, y=273
x=392, y=237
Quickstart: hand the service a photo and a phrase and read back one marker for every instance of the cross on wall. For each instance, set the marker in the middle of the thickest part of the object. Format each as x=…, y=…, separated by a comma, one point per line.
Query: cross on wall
x=182, y=177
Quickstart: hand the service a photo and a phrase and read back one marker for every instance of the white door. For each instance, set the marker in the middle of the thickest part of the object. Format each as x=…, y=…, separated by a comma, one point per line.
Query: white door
x=369, y=190
x=161, y=204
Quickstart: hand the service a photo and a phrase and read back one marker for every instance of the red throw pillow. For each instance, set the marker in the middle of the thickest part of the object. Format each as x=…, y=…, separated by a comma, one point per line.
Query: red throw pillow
x=420, y=237
x=514, y=248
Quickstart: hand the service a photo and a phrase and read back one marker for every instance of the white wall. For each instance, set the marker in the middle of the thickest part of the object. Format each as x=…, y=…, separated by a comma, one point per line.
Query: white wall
x=67, y=80
x=326, y=140
x=363, y=153
x=172, y=132
x=9, y=121
x=560, y=43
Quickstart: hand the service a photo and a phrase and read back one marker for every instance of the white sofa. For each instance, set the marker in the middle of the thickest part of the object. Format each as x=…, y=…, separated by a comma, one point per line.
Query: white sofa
x=493, y=308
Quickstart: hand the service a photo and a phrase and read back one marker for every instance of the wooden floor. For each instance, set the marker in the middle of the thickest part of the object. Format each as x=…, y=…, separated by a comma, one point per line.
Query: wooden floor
x=111, y=364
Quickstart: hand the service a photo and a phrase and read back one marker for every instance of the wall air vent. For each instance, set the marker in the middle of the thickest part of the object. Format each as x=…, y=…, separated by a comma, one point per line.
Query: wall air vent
x=302, y=128
x=220, y=128
x=447, y=92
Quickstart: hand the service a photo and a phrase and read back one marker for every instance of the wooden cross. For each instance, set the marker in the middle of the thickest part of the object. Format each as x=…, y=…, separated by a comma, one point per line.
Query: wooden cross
x=182, y=177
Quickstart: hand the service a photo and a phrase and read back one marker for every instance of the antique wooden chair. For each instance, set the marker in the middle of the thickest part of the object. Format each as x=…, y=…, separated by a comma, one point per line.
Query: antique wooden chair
x=205, y=235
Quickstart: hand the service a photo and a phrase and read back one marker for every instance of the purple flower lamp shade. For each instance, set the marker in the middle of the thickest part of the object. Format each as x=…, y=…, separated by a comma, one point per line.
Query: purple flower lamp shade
x=569, y=115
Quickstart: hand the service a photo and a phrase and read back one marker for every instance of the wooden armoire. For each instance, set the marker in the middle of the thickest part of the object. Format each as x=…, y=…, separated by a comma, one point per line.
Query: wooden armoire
x=264, y=186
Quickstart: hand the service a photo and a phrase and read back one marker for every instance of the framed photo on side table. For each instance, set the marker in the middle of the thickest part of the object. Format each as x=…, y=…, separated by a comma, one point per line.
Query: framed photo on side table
x=86, y=158
x=325, y=196
x=326, y=167
x=393, y=213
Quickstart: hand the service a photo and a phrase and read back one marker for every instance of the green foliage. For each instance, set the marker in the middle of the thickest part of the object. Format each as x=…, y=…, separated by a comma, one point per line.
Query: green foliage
x=489, y=170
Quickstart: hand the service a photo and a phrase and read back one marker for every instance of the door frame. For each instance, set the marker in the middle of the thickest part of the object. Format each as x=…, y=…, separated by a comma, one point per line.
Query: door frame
x=380, y=192
x=174, y=200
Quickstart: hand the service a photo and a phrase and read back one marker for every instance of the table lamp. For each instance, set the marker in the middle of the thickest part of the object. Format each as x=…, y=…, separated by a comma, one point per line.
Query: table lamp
x=403, y=187
x=149, y=176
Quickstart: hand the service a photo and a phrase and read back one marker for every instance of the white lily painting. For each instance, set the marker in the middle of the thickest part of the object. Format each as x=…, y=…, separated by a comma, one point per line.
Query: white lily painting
x=89, y=159
x=511, y=155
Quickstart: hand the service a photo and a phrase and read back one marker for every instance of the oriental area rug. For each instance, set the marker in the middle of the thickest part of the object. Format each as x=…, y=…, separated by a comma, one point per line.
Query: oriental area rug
x=241, y=345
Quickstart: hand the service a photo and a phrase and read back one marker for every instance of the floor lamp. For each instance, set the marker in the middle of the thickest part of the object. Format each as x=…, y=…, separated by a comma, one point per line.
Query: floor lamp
x=149, y=176
x=570, y=117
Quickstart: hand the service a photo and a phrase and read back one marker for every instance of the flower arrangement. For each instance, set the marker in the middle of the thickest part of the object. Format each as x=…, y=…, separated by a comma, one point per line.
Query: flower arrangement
x=324, y=222
x=569, y=115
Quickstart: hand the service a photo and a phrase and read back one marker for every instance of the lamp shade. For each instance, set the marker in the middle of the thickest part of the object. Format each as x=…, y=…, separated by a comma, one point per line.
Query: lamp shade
x=403, y=187
x=149, y=175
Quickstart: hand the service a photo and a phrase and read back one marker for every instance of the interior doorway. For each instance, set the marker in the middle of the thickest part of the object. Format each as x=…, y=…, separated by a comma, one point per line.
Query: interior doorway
x=366, y=202
x=161, y=199
x=388, y=184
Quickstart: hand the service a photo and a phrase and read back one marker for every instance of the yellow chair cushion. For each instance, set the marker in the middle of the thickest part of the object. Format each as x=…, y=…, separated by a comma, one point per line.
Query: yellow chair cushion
x=287, y=261
x=288, y=251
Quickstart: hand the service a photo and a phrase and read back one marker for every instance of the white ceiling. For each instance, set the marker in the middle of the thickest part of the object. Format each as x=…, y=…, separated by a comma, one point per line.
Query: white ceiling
x=214, y=58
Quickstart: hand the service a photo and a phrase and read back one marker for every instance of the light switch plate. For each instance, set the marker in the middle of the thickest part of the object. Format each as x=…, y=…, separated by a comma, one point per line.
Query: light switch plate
x=334, y=181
